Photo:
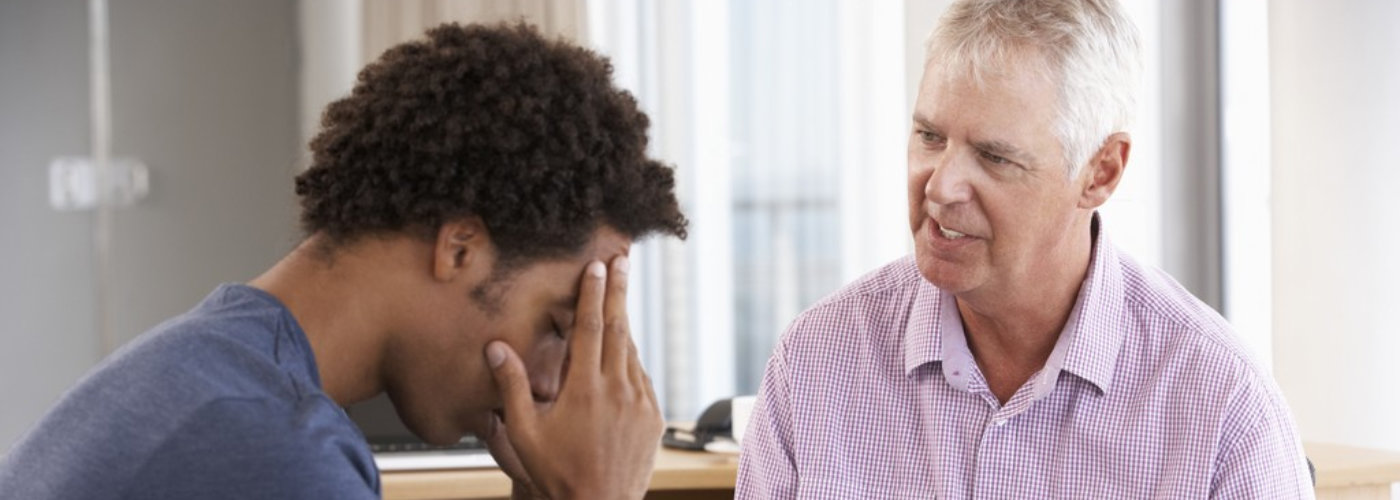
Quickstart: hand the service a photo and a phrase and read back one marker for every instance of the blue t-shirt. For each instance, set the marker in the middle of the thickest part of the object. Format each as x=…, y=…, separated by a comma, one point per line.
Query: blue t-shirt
x=223, y=401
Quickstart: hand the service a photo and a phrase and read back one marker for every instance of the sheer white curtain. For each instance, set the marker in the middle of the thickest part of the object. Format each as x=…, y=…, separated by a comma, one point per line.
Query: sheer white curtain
x=390, y=22
x=1245, y=174
x=786, y=120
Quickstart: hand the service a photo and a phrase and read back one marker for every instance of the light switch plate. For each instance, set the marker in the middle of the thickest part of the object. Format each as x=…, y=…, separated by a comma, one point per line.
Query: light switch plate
x=73, y=183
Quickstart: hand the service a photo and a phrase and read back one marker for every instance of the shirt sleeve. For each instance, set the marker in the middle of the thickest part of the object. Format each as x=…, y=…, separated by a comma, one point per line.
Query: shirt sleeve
x=252, y=448
x=767, y=468
x=1261, y=456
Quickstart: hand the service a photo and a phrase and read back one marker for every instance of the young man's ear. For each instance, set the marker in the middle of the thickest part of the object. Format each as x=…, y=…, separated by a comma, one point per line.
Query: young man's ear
x=1105, y=170
x=459, y=244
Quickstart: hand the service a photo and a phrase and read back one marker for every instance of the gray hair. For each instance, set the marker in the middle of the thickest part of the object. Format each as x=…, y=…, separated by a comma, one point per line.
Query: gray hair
x=1088, y=48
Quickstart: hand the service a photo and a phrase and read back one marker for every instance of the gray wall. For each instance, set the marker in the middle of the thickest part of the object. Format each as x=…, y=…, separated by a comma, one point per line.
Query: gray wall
x=205, y=93
x=47, y=330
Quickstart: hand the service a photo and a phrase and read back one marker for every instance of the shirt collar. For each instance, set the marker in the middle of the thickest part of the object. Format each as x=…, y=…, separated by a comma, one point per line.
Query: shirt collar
x=922, y=343
x=1095, y=325
x=1088, y=345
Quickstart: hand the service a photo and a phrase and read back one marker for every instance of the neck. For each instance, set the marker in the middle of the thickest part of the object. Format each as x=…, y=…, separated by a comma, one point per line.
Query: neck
x=1012, y=331
x=336, y=303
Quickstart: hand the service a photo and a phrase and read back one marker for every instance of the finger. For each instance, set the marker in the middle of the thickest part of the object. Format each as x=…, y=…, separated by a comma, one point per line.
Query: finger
x=585, y=341
x=498, y=443
x=651, y=390
x=503, y=452
x=635, y=372
x=512, y=383
x=641, y=382
x=648, y=396
x=617, y=333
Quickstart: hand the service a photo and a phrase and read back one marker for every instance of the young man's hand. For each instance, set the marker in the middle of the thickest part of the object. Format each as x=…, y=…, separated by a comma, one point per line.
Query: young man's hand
x=598, y=438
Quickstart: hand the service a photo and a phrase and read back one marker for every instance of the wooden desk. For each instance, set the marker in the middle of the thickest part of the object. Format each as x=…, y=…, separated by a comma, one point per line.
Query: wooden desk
x=1351, y=473
x=679, y=475
x=1343, y=473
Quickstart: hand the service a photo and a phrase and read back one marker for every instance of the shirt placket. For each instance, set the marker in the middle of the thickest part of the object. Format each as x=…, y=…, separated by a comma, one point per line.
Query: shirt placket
x=994, y=447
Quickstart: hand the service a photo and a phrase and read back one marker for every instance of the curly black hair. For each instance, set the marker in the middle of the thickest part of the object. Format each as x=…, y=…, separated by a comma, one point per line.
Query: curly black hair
x=494, y=121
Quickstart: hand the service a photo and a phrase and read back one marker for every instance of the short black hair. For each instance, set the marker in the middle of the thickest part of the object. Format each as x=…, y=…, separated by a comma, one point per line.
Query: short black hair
x=495, y=121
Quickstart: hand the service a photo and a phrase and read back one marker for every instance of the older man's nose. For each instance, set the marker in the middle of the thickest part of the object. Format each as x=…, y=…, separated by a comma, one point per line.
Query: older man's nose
x=948, y=183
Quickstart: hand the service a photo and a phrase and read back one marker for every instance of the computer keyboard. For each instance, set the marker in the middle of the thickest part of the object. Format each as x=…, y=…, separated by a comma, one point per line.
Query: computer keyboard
x=410, y=454
x=396, y=445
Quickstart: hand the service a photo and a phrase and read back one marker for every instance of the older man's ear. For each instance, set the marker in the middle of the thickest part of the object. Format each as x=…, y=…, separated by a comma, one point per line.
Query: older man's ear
x=1103, y=172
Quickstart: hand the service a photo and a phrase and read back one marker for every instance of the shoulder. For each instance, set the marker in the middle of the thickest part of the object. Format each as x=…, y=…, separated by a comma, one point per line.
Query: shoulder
x=1169, y=317
x=223, y=448
x=260, y=448
x=1192, y=344
x=896, y=277
x=188, y=360
x=158, y=387
x=269, y=428
x=872, y=297
x=1153, y=292
x=238, y=342
x=864, y=316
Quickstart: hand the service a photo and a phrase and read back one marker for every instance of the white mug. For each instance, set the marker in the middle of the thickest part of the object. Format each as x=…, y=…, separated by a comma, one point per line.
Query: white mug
x=739, y=410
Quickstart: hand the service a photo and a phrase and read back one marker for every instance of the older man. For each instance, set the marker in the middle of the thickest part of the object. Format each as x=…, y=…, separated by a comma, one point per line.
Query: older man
x=1018, y=353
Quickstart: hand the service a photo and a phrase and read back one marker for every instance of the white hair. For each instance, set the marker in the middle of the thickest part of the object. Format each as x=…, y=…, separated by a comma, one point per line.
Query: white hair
x=1088, y=48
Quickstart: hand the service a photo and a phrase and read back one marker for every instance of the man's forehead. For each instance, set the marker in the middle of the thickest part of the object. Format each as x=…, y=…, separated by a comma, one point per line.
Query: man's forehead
x=565, y=273
x=1013, y=63
x=606, y=243
x=1023, y=88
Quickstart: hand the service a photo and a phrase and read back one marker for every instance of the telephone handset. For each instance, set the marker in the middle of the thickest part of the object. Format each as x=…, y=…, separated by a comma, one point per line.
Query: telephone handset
x=715, y=422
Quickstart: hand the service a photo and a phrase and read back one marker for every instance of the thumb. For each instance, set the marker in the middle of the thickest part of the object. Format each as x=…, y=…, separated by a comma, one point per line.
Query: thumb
x=512, y=383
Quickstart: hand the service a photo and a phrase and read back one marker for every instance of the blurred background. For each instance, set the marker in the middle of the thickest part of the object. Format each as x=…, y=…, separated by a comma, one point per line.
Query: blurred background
x=1262, y=174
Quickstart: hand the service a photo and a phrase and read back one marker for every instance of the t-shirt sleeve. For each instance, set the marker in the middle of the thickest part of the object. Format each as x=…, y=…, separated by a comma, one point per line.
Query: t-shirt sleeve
x=255, y=448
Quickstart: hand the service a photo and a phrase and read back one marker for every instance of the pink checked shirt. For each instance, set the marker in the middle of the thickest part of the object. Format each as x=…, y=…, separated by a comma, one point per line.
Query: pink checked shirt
x=873, y=394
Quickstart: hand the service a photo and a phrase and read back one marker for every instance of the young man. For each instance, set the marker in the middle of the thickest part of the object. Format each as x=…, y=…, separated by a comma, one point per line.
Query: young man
x=460, y=209
x=1018, y=353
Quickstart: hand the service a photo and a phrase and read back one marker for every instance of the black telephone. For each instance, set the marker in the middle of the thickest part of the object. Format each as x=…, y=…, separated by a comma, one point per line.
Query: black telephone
x=714, y=422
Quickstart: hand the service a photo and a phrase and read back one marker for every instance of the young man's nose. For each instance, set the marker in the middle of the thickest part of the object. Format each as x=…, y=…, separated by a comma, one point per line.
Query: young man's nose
x=544, y=390
x=545, y=378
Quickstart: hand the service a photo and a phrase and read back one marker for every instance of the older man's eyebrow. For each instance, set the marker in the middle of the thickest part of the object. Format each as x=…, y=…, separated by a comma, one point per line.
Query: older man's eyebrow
x=923, y=121
x=1000, y=148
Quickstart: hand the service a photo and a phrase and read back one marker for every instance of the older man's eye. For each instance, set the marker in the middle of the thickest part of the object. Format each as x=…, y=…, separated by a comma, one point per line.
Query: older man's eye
x=930, y=138
x=994, y=159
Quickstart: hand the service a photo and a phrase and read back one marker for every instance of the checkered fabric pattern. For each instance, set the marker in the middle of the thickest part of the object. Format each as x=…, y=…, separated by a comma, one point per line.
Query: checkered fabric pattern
x=873, y=394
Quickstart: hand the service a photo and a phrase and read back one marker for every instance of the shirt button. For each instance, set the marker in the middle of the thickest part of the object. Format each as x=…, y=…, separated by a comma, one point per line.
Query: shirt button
x=999, y=422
